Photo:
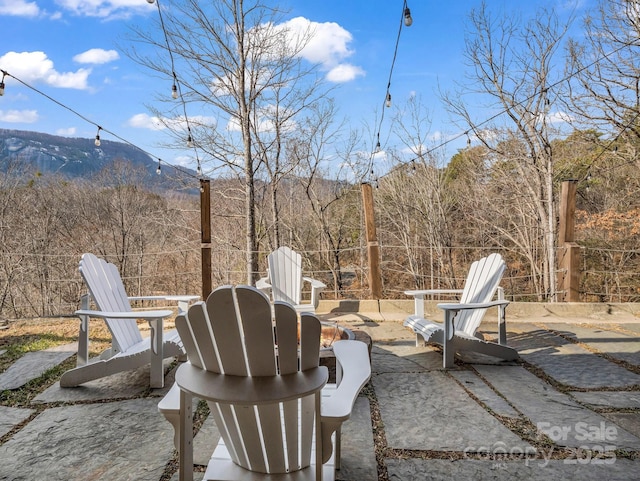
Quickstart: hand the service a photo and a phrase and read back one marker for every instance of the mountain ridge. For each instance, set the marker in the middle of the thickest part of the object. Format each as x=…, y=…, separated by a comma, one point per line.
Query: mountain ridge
x=76, y=157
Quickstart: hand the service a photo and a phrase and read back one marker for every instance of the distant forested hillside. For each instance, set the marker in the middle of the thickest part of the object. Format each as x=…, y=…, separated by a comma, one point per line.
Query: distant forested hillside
x=37, y=152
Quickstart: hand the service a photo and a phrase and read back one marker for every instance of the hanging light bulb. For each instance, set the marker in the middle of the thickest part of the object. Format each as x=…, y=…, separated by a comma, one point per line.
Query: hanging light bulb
x=468, y=141
x=189, y=142
x=378, y=147
x=2, y=83
x=174, y=91
x=151, y=1
x=408, y=21
x=199, y=170
x=159, y=169
x=97, y=141
x=388, y=101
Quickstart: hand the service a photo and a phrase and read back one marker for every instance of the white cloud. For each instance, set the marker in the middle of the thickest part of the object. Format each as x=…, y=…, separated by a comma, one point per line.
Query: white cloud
x=145, y=121
x=106, y=8
x=37, y=67
x=19, y=8
x=328, y=46
x=19, y=116
x=68, y=132
x=96, y=56
x=560, y=117
x=344, y=73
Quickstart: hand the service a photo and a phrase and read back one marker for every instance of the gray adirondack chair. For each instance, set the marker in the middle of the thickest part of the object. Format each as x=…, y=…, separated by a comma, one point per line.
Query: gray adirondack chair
x=461, y=320
x=129, y=350
x=277, y=417
x=285, y=281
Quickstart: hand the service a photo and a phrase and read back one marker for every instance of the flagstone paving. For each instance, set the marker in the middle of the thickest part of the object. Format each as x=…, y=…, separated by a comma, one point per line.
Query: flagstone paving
x=430, y=411
x=569, y=363
x=111, y=441
x=34, y=364
x=532, y=470
x=11, y=417
x=616, y=344
x=608, y=399
x=553, y=413
x=477, y=421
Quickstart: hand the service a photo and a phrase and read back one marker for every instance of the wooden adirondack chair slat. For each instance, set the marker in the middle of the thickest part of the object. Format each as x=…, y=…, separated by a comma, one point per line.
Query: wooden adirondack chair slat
x=285, y=281
x=480, y=287
x=129, y=349
x=270, y=421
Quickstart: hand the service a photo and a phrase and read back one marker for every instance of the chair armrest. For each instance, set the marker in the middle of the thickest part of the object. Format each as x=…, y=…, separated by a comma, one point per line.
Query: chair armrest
x=424, y=292
x=316, y=289
x=126, y=314
x=315, y=284
x=474, y=305
x=418, y=298
x=263, y=284
x=178, y=298
x=182, y=300
x=353, y=357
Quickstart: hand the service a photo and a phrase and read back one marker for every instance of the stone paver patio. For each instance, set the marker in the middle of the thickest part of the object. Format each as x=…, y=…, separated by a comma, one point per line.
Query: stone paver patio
x=569, y=410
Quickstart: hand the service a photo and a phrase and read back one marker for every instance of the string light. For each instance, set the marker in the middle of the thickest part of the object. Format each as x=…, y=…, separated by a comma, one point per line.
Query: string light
x=2, y=83
x=100, y=128
x=408, y=21
x=176, y=91
x=159, y=169
x=151, y=1
x=405, y=19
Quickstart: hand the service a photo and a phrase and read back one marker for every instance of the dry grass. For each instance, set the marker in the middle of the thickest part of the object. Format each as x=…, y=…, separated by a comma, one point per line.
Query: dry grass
x=26, y=335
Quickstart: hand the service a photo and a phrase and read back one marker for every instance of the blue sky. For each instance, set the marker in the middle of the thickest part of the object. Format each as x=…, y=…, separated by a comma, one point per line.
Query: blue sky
x=70, y=51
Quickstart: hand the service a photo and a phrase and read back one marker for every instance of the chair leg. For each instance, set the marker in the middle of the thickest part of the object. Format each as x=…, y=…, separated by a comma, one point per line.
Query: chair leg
x=447, y=345
x=336, y=453
x=185, y=453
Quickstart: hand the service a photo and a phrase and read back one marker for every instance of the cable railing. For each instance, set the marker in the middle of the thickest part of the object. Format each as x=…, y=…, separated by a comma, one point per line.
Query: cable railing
x=52, y=286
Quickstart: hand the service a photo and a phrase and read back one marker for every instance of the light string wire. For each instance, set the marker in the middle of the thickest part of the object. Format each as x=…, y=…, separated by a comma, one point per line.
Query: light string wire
x=95, y=124
x=502, y=112
x=412, y=160
x=179, y=89
x=388, y=91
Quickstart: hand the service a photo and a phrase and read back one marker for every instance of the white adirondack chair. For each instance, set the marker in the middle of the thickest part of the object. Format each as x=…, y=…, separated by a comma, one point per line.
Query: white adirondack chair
x=285, y=280
x=266, y=392
x=129, y=350
x=462, y=319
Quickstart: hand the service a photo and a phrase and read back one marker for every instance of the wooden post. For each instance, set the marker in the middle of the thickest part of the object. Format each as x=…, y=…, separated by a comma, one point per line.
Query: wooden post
x=568, y=250
x=205, y=235
x=373, y=249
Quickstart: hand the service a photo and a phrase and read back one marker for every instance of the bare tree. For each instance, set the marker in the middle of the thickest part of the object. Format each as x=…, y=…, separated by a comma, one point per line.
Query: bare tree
x=414, y=204
x=240, y=67
x=327, y=165
x=512, y=65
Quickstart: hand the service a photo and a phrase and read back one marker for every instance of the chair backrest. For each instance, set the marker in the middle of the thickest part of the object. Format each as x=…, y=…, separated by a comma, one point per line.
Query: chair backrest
x=233, y=334
x=105, y=286
x=285, y=275
x=480, y=286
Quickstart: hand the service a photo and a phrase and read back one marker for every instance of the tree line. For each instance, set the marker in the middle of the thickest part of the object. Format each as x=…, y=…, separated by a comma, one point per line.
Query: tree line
x=287, y=168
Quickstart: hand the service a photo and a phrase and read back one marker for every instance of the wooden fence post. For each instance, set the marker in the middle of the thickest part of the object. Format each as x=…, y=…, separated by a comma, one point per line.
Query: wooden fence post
x=205, y=235
x=568, y=249
x=373, y=249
